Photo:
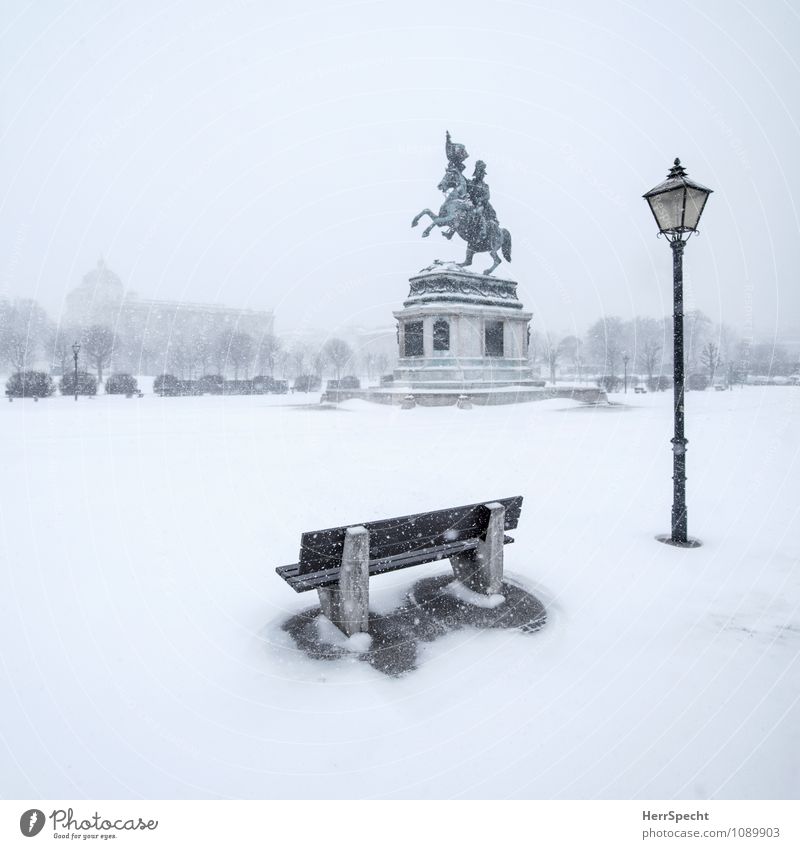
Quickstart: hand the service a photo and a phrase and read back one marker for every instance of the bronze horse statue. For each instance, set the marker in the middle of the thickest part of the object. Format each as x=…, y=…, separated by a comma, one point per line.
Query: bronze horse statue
x=466, y=210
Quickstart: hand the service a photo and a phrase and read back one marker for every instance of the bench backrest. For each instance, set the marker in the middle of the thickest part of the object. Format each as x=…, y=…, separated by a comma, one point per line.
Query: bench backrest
x=391, y=537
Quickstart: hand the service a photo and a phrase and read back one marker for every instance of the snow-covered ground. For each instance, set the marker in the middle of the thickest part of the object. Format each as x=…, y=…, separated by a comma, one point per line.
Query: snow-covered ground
x=140, y=643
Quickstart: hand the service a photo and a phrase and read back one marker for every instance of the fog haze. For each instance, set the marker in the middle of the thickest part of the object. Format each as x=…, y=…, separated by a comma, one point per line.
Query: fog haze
x=270, y=155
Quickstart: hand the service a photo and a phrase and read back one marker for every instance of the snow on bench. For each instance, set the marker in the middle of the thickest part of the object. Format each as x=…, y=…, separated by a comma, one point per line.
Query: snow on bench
x=338, y=562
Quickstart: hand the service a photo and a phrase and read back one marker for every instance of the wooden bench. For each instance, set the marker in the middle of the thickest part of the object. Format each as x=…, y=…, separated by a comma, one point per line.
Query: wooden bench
x=338, y=562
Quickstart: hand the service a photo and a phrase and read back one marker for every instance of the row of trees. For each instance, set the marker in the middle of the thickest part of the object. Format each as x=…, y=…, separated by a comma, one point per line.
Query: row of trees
x=188, y=350
x=646, y=344
x=206, y=345
x=244, y=356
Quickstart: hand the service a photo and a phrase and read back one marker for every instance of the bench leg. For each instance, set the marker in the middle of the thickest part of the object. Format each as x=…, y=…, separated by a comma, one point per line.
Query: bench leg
x=482, y=570
x=347, y=604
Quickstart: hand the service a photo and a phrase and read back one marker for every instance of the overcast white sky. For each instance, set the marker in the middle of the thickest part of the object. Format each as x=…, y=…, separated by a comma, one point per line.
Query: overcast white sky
x=269, y=154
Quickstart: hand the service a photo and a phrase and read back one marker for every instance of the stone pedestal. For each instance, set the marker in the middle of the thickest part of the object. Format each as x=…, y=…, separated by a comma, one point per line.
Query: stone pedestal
x=460, y=331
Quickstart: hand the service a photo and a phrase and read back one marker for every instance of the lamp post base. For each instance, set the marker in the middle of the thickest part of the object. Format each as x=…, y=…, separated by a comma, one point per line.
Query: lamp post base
x=690, y=542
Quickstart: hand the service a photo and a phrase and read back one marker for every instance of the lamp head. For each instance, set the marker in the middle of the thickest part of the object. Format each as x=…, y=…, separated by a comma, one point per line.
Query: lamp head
x=677, y=203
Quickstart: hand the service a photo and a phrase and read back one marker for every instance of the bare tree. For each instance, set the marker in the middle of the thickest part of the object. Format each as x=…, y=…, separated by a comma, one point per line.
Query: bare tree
x=240, y=353
x=221, y=349
x=98, y=342
x=769, y=359
x=203, y=350
x=23, y=330
x=298, y=356
x=606, y=340
x=648, y=345
x=318, y=360
x=570, y=350
x=338, y=353
x=552, y=352
x=19, y=349
x=744, y=360
x=59, y=347
x=381, y=363
x=268, y=354
x=181, y=355
x=709, y=357
x=368, y=361
x=282, y=363
x=697, y=331
x=649, y=355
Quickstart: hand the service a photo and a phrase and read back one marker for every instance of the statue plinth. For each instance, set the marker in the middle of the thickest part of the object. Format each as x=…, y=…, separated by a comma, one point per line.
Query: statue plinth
x=448, y=282
x=461, y=331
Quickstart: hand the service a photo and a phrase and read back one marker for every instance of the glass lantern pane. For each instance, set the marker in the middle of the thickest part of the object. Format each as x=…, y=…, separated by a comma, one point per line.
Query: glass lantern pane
x=695, y=201
x=668, y=209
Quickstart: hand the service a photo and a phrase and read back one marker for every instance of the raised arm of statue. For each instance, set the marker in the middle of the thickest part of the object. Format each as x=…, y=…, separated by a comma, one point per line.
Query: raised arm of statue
x=456, y=153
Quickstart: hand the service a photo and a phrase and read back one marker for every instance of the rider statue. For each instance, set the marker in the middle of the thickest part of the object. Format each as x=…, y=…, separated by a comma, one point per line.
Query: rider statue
x=479, y=195
x=467, y=210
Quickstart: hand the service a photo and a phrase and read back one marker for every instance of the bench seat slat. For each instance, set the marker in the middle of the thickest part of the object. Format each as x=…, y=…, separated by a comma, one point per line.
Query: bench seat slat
x=405, y=534
x=378, y=566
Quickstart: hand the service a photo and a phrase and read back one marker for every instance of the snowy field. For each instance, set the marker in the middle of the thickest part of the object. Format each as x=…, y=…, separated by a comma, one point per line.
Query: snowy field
x=142, y=654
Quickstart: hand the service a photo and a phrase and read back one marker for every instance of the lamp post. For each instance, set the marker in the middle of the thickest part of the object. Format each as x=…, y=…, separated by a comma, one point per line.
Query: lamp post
x=677, y=205
x=76, y=349
x=625, y=359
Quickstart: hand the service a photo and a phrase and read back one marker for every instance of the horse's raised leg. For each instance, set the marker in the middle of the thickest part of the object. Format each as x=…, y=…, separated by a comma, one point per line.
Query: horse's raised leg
x=448, y=234
x=468, y=260
x=496, y=259
x=440, y=221
x=417, y=217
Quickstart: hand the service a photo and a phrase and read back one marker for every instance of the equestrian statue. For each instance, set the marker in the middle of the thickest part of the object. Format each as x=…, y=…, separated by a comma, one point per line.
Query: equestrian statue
x=467, y=211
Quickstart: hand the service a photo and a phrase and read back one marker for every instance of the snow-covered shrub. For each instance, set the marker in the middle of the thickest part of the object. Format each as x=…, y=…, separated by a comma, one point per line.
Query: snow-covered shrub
x=211, y=384
x=697, y=382
x=121, y=384
x=307, y=383
x=610, y=383
x=188, y=387
x=238, y=387
x=659, y=384
x=87, y=383
x=29, y=384
x=166, y=384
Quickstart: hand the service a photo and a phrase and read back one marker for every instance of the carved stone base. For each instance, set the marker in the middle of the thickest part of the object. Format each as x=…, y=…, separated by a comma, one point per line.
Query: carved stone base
x=448, y=283
x=459, y=330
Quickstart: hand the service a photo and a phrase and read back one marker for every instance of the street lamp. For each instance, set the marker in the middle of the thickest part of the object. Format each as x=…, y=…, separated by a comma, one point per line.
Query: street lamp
x=76, y=349
x=625, y=359
x=677, y=205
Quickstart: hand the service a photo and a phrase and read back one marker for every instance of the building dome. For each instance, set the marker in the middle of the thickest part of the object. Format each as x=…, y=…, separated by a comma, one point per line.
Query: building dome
x=102, y=282
x=97, y=300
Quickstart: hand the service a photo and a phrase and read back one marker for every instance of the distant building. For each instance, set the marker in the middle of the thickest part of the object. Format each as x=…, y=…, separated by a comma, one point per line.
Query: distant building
x=154, y=335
